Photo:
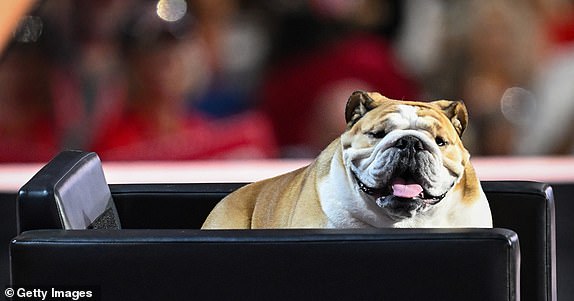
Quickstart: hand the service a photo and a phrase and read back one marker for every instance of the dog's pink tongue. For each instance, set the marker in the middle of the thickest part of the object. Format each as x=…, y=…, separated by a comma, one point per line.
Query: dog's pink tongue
x=404, y=190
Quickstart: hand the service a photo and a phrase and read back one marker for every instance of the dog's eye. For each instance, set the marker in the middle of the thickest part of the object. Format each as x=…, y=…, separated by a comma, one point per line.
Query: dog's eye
x=376, y=134
x=440, y=141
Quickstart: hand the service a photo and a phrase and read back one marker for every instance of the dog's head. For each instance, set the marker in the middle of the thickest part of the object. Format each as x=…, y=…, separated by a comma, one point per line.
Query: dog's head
x=404, y=155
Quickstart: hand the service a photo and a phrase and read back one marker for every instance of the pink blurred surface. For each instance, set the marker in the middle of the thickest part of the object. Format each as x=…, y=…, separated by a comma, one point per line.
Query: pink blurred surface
x=542, y=169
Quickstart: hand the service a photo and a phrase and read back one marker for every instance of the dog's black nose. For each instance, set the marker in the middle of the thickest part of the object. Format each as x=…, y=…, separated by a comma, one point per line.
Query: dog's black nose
x=409, y=143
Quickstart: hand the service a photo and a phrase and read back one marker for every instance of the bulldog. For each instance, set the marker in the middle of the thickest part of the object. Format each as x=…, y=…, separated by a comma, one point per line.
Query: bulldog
x=399, y=164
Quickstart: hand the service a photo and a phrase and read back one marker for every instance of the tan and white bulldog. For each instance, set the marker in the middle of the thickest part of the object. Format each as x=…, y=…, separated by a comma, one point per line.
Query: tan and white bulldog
x=399, y=164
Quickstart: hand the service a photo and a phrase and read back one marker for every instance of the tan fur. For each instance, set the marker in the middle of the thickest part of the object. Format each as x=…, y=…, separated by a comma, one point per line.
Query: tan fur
x=307, y=197
x=286, y=201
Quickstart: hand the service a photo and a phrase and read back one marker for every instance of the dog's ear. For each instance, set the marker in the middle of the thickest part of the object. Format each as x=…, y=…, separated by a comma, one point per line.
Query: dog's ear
x=456, y=112
x=359, y=104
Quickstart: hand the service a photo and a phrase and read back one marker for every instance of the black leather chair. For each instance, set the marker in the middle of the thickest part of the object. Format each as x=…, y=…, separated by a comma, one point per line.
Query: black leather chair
x=479, y=264
x=564, y=196
x=454, y=264
x=524, y=207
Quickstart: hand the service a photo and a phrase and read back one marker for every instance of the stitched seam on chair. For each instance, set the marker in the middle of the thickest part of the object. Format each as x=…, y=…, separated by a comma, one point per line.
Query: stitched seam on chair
x=128, y=241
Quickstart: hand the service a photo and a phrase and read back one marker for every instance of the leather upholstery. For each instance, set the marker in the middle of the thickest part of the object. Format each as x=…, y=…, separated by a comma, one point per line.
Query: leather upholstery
x=382, y=264
x=523, y=207
x=564, y=196
x=528, y=209
x=70, y=192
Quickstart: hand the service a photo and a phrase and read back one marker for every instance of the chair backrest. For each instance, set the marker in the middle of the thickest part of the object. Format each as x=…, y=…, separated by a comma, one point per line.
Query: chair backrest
x=73, y=184
x=70, y=192
x=168, y=206
x=524, y=207
x=528, y=209
x=564, y=196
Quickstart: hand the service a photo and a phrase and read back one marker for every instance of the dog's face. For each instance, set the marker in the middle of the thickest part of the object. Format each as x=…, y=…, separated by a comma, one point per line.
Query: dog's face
x=405, y=156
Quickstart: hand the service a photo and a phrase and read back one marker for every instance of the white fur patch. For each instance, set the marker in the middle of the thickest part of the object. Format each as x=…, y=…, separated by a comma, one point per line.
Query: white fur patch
x=406, y=117
x=343, y=205
x=409, y=113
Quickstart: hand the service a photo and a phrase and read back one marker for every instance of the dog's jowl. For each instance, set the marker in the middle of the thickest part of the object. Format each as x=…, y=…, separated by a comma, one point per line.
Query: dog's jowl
x=398, y=164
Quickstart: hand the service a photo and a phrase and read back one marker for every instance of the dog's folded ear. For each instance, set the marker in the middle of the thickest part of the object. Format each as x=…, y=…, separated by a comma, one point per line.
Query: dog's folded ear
x=456, y=112
x=359, y=104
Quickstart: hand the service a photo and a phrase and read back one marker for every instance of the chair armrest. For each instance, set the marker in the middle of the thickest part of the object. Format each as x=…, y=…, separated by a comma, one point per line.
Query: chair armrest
x=389, y=264
x=70, y=192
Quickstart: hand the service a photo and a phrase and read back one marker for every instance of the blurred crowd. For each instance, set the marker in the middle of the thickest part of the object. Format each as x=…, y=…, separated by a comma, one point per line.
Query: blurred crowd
x=251, y=79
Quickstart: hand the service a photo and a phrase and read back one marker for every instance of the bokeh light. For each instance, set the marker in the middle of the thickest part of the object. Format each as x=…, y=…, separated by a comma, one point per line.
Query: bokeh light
x=171, y=10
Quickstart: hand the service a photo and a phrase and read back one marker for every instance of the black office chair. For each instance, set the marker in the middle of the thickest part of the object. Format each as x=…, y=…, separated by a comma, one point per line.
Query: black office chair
x=160, y=254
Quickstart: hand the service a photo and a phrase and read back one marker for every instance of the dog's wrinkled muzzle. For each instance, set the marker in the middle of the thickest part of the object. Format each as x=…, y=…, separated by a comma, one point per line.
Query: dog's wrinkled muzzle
x=401, y=198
